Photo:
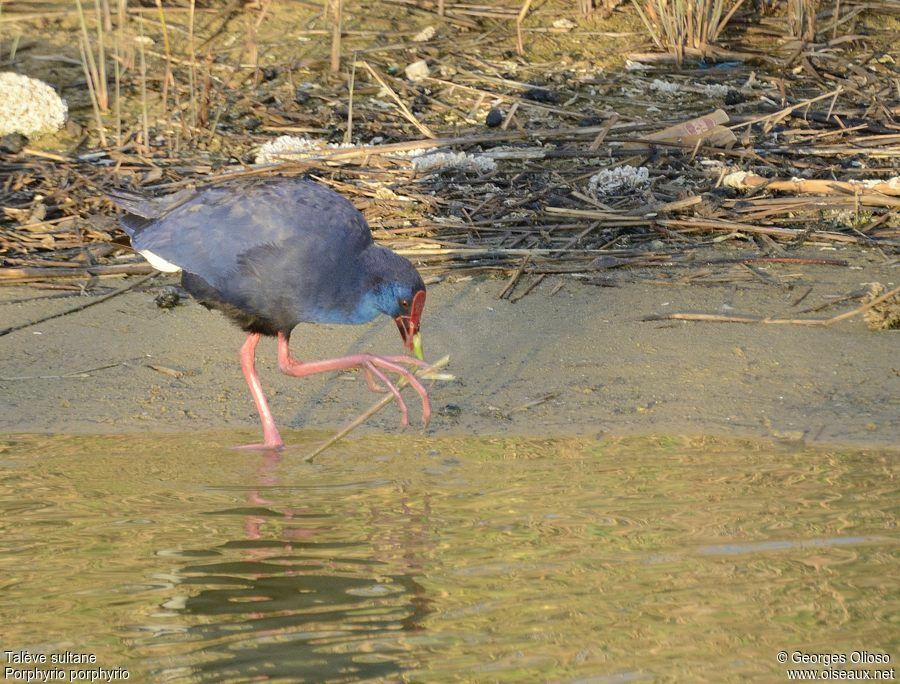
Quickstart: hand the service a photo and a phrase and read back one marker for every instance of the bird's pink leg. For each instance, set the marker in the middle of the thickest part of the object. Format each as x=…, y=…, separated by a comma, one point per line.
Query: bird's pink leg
x=271, y=438
x=369, y=363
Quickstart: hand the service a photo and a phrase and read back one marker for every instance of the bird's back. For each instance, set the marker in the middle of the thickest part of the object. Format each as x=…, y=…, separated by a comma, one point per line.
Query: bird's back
x=279, y=250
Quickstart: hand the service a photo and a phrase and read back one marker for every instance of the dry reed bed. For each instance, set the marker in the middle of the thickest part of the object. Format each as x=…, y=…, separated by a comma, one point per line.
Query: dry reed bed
x=809, y=123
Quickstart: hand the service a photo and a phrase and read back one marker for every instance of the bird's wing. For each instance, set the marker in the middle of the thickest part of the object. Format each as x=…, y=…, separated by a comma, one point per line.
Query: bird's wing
x=211, y=233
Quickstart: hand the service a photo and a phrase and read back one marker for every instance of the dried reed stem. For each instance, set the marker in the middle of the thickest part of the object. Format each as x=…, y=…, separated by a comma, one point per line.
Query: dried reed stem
x=337, y=11
x=376, y=407
x=85, y=50
x=145, y=117
x=117, y=67
x=167, y=76
x=802, y=19
x=348, y=134
x=408, y=115
x=681, y=25
x=101, y=85
x=92, y=71
x=192, y=70
x=520, y=18
x=717, y=318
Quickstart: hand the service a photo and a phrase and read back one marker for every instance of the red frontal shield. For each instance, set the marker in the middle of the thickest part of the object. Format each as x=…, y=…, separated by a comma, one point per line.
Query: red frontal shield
x=418, y=305
x=409, y=325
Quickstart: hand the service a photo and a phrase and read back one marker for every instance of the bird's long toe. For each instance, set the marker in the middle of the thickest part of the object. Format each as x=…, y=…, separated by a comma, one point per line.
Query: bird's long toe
x=387, y=364
x=392, y=388
x=406, y=359
x=370, y=382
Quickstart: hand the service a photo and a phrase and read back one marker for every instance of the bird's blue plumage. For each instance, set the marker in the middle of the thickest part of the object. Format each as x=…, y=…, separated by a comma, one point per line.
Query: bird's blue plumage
x=272, y=253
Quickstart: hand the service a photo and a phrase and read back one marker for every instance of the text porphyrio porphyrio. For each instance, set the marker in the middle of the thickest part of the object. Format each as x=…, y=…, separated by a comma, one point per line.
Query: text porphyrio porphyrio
x=273, y=253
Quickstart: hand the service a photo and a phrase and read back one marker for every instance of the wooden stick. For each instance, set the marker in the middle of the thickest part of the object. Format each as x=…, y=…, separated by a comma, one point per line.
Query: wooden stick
x=733, y=226
x=80, y=307
x=596, y=142
x=750, y=181
x=515, y=277
x=777, y=116
x=376, y=407
x=408, y=115
x=24, y=275
x=520, y=18
x=715, y=318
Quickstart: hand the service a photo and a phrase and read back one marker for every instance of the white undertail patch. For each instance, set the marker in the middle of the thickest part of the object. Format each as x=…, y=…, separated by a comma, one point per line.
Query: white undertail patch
x=159, y=263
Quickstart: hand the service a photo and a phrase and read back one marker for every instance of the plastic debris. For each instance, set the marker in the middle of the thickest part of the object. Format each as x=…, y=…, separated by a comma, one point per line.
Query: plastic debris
x=707, y=128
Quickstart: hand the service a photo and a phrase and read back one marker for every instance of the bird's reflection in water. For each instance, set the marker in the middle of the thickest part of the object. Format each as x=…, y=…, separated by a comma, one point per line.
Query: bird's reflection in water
x=296, y=599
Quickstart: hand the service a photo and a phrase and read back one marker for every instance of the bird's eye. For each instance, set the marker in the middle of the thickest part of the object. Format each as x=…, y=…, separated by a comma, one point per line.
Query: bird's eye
x=404, y=304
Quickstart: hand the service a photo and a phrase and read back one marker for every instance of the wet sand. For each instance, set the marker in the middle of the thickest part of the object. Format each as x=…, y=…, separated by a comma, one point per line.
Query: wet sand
x=578, y=361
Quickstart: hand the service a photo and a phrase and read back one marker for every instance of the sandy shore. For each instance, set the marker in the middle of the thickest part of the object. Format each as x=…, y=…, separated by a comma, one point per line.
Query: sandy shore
x=577, y=361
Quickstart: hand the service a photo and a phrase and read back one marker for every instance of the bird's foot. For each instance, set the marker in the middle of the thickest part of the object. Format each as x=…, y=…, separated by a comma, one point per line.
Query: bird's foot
x=370, y=376
x=272, y=441
x=261, y=447
x=375, y=369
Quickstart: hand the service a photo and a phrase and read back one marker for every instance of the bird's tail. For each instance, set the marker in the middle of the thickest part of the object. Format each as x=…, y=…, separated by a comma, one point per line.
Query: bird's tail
x=149, y=207
x=134, y=203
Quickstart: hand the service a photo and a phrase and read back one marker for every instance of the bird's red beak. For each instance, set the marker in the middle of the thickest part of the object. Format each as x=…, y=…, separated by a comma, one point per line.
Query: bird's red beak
x=409, y=325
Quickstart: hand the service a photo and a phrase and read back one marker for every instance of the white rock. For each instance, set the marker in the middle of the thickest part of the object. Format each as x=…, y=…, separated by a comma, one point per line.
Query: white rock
x=664, y=87
x=417, y=71
x=456, y=161
x=29, y=106
x=287, y=148
x=736, y=180
x=426, y=33
x=564, y=23
x=619, y=178
x=635, y=66
x=713, y=89
x=892, y=183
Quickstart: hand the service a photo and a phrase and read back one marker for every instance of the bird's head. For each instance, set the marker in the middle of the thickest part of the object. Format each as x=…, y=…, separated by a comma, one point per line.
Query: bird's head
x=408, y=322
x=400, y=293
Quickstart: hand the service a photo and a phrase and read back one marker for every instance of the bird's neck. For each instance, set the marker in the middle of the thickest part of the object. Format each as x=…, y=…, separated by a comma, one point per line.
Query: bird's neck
x=360, y=296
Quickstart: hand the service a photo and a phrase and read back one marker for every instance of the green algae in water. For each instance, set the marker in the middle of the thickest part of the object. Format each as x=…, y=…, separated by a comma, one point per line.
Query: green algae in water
x=418, y=559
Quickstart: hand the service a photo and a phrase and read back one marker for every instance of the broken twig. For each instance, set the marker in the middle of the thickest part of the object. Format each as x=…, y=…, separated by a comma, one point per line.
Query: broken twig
x=376, y=407
x=716, y=318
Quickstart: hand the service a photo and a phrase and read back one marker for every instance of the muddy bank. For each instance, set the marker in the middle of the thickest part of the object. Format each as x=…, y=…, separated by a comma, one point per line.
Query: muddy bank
x=577, y=360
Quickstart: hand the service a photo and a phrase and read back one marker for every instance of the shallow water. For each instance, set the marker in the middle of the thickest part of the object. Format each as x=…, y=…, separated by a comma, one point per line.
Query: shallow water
x=405, y=558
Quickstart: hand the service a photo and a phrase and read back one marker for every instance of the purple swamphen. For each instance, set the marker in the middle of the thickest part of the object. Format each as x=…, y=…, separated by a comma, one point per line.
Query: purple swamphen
x=273, y=253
